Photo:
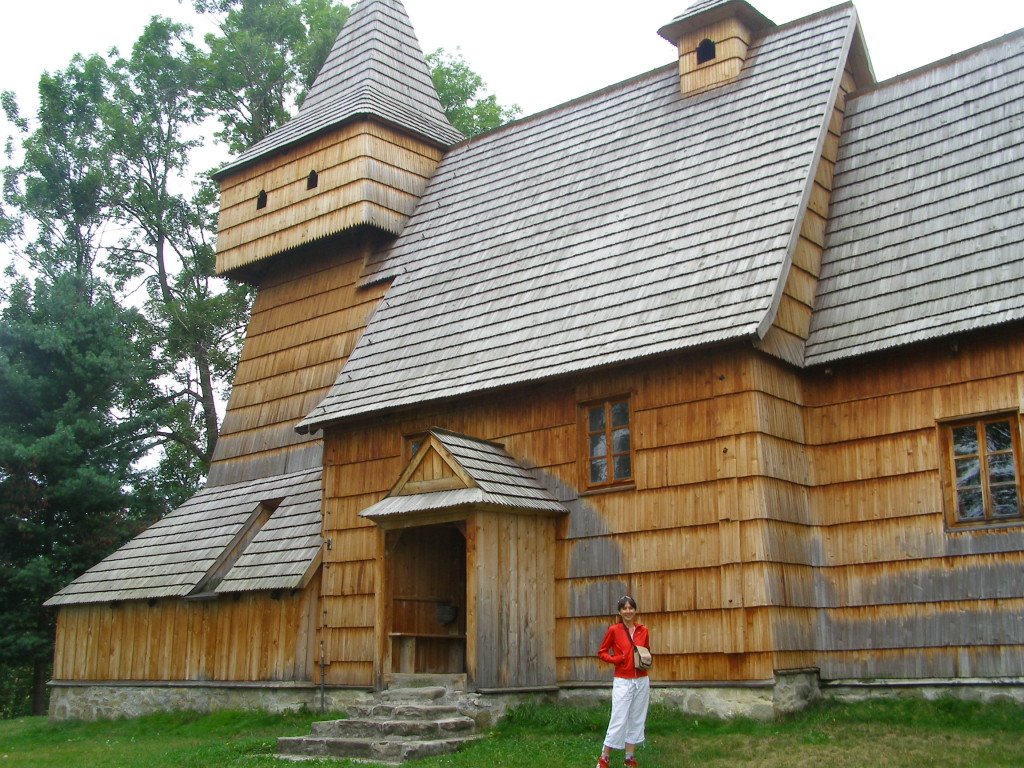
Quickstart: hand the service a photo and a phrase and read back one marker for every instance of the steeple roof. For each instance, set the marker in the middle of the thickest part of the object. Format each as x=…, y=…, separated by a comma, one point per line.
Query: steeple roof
x=375, y=69
x=706, y=12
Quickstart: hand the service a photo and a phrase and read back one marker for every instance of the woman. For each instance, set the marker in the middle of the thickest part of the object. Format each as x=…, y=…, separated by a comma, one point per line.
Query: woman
x=631, y=690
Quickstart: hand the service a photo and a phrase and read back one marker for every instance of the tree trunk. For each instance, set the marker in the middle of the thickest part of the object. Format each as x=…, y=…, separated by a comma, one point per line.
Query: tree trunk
x=40, y=673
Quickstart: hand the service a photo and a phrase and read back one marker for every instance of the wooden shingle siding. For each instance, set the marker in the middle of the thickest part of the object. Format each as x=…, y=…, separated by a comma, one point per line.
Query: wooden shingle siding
x=927, y=217
x=255, y=637
x=302, y=328
x=367, y=174
x=894, y=583
x=787, y=337
x=653, y=234
x=689, y=541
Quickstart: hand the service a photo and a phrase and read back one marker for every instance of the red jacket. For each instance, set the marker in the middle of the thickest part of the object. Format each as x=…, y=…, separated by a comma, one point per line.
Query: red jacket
x=616, y=649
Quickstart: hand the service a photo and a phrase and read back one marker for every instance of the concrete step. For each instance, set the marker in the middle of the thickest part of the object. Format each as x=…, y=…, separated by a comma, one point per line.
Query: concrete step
x=414, y=693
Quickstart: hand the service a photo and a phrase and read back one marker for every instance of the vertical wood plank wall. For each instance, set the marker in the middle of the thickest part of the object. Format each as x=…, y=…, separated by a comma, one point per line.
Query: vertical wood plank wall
x=305, y=321
x=257, y=637
x=902, y=595
x=512, y=560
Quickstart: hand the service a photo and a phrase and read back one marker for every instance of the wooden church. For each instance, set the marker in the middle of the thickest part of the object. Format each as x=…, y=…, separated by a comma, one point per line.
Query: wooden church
x=742, y=337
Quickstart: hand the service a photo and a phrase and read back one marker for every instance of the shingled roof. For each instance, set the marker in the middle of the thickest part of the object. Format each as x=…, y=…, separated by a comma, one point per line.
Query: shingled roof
x=176, y=556
x=926, y=234
x=492, y=477
x=635, y=222
x=375, y=69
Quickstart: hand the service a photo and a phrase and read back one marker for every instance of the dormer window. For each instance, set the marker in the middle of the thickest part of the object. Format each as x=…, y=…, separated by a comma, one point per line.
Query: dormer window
x=312, y=180
x=261, y=200
x=705, y=51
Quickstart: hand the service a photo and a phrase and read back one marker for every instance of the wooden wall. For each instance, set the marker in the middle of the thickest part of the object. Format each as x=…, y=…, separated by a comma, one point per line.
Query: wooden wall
x=903, y=596
x=258, y=636
x=688, y=540
x=305, y=321
x=367, y=174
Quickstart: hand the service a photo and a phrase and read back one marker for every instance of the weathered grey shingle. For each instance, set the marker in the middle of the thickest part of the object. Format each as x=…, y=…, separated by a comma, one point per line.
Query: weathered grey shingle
x=173, y=557
x=498, y=481
x=376, y=68
x=926, y=233
x=635, y=222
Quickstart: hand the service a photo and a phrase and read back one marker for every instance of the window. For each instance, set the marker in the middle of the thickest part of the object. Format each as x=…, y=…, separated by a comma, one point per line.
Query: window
x=983, y=466
x=411, y=444
x=705, y=51
x=312, y=180
x=261, y=200
x=608, y=447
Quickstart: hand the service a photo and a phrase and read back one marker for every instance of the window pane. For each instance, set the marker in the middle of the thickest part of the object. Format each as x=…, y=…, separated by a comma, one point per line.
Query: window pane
x=965, y=440
x=599, y=471
x=623, y=471
x=1000, y=468
x=595, y=418
x=968, y=505
x=620, y=414
x=1005, y=502
x=620, y=441
x=597, y=445
x=997, y=436
x=968, y=472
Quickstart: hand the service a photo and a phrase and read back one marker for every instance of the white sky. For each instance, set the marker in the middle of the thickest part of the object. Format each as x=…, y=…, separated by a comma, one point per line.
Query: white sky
x=536, y=53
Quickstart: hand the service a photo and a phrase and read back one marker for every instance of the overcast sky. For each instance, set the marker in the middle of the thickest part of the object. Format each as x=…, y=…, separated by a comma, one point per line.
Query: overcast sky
x=536, y=53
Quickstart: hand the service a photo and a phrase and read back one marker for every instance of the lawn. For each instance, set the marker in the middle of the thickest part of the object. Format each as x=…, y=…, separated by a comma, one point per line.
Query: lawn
x=876, y=734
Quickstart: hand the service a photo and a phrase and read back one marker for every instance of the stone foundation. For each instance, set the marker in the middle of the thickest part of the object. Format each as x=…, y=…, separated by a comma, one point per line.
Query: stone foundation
x=791, y=691
x=92, y=701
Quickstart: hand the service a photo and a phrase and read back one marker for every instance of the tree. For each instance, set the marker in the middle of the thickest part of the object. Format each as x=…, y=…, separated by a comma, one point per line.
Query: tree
x=61, y=180
x=72, y=367
x=266, y=55
x=461, y=92
x=154, y=105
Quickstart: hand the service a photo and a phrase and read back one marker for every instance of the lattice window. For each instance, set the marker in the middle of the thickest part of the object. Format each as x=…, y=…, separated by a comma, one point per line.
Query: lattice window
x=983, y=470
x=608, y=446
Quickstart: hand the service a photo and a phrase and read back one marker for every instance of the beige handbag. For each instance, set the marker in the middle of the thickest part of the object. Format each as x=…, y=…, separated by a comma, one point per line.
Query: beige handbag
x=642, y=657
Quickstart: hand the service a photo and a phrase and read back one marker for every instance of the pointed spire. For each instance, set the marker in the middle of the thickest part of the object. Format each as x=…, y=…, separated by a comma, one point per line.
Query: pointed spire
x=375, y=69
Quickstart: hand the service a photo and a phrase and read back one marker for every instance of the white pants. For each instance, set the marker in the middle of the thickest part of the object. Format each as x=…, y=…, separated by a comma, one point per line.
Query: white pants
x=630, y=698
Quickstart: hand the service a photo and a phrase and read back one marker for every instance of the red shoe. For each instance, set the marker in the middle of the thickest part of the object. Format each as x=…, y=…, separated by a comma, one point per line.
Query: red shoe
x=629, y=762
x=602, y=762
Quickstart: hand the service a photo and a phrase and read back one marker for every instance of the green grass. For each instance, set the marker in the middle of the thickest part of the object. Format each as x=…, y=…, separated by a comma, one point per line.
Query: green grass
x=905, y=733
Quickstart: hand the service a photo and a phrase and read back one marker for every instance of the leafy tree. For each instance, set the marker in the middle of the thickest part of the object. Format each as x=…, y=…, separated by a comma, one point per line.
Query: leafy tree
x=154, y=106
x=264, y=57
x=73, y=365
x=461, y=92
x=61, y=180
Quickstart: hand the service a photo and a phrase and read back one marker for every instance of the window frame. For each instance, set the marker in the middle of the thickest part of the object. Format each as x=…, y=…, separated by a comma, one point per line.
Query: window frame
x=948, y=464
x=585, y=458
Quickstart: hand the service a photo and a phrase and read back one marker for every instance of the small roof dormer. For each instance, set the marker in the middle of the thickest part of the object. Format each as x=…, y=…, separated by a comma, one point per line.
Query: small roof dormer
x=359, y=152
x=713, y=37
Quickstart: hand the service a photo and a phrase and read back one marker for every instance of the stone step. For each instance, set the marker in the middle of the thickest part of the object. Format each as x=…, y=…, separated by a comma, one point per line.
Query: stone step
x=403, y=710
x=418, y=693
x=384, y=727
x=384, y=751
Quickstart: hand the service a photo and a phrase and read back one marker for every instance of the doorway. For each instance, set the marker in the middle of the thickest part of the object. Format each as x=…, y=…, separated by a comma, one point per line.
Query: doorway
x=426, y=569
